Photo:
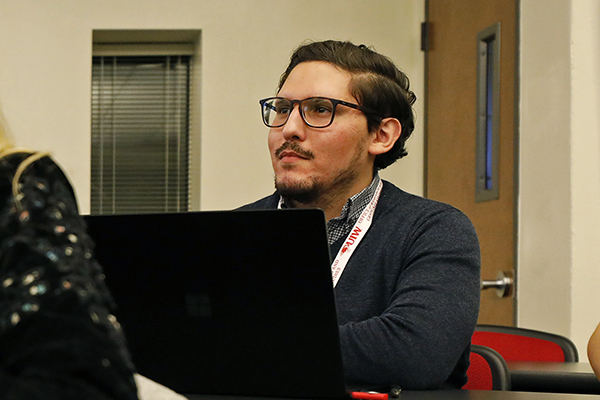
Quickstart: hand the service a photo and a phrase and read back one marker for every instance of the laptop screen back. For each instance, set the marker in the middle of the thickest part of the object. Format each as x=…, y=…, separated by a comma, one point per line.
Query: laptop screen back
x=226, y=302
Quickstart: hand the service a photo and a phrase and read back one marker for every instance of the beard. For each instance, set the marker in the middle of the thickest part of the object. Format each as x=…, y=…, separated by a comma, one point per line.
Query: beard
x=312, y=190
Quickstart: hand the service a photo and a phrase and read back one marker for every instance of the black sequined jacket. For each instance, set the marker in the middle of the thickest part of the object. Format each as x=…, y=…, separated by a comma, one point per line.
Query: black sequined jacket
x=58, y=338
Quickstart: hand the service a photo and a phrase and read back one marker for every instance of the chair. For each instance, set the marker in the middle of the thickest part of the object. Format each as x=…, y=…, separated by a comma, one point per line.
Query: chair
x=487, y=370
x=520, y=344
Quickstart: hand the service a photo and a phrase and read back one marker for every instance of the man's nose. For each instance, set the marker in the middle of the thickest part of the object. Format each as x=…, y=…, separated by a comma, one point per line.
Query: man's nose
x=294, y=128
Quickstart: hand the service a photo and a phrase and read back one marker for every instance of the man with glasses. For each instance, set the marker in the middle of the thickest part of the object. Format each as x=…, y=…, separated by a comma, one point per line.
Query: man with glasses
x=406, y=269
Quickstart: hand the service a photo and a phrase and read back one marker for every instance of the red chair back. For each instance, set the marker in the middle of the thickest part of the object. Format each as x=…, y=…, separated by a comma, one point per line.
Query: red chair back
x=479, y=374
x=487, y=370
x=518, y=344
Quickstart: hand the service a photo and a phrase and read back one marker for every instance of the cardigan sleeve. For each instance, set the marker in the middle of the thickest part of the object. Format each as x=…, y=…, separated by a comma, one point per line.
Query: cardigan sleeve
x=58, y=338
x=429, y=275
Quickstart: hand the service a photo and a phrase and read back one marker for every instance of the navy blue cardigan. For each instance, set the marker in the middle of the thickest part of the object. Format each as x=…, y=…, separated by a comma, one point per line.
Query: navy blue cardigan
x=408, y=299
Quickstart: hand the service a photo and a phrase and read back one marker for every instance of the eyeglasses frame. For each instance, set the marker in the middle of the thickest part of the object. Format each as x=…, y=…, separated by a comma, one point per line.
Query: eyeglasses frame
x=335, y=103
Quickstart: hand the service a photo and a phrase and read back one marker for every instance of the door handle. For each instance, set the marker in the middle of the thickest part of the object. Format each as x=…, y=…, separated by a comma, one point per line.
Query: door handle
x=504, y=284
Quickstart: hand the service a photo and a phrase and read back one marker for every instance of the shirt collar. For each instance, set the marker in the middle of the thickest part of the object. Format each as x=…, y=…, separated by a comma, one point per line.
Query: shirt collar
x=357, y=203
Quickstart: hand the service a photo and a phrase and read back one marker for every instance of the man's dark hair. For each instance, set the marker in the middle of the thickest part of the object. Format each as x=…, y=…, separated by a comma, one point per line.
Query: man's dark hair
x=376, y=84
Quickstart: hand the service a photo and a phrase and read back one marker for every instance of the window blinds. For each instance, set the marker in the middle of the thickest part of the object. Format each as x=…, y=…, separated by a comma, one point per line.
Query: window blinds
x=140, y=134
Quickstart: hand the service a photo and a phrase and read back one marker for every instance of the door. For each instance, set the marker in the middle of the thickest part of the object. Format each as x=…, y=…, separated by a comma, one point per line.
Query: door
x=456, y=30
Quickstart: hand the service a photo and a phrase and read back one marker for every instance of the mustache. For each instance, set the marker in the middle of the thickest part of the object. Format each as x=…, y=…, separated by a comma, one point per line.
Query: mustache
x=295, y=147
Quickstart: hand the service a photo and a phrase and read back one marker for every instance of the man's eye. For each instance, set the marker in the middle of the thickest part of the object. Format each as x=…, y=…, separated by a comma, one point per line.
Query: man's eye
x=282, y=108
x=320, y=107
x=321, y=110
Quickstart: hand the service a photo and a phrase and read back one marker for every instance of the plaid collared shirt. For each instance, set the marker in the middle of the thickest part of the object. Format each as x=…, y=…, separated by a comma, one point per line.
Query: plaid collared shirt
x=341, y=226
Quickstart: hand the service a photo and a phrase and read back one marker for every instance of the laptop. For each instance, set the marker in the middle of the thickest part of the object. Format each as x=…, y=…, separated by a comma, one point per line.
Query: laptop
x=226, y=302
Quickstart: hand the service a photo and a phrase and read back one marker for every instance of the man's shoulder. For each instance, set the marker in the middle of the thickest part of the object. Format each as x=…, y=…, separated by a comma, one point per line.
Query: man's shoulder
x=397, y=201
x=266, y=203
x=396, y=197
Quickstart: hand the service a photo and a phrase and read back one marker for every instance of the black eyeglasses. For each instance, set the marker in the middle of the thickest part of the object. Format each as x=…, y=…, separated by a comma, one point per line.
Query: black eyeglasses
x=316, y=112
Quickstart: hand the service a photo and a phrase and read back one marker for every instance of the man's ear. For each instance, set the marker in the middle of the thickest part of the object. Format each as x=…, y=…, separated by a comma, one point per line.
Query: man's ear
x=384, y=138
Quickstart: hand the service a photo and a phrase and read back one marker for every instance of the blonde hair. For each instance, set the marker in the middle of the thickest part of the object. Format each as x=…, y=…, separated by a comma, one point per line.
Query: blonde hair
x=7, y=148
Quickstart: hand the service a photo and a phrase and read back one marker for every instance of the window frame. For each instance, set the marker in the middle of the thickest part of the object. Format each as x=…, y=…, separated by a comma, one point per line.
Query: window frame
x=164, y=42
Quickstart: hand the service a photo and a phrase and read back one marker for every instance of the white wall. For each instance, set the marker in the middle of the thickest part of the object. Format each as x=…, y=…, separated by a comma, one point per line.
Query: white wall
x=559, y=244
x=544, y=251
x=45, y=75
x=585, y=169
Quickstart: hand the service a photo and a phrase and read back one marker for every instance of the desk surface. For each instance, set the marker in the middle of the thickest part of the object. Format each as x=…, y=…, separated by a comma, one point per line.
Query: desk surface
x=444, y=395
x=567, y=377
x=530, y=381
x=489, y=395
x=550, y=367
